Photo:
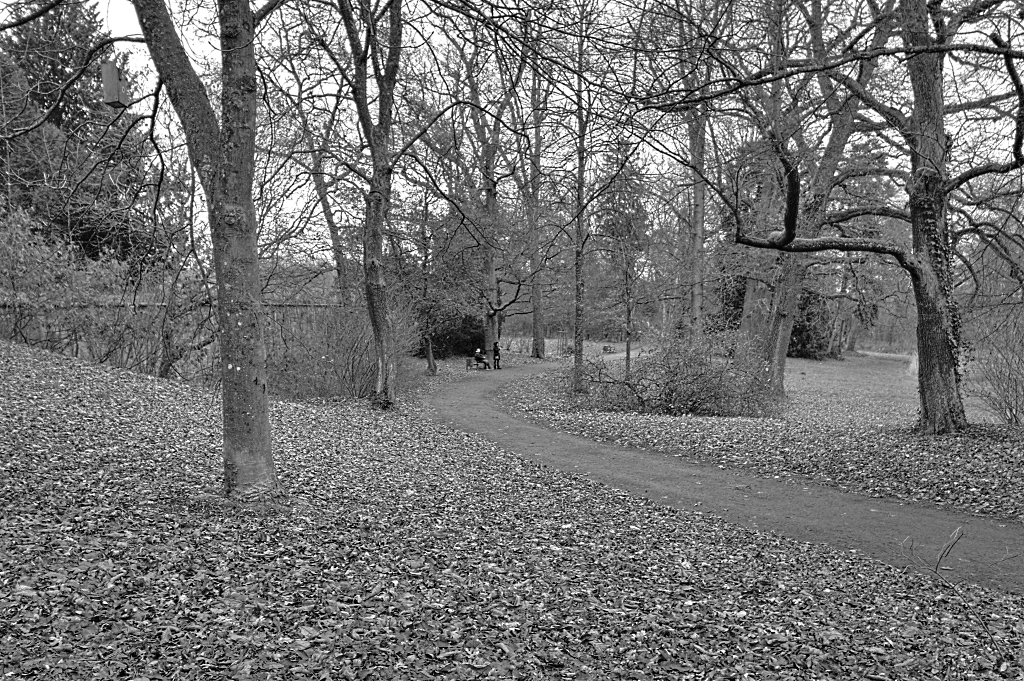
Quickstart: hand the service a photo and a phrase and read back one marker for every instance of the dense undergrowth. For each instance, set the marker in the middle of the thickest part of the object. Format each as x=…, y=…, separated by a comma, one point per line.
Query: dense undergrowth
x=716, y=375
x=407, y=550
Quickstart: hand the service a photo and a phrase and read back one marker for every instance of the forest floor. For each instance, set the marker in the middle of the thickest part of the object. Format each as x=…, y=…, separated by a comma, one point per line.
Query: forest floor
x=405, y=549
x=840, y=466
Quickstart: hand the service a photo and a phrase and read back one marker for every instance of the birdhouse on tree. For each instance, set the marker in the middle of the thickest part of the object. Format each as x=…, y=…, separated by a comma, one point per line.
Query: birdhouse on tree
x=115, y=93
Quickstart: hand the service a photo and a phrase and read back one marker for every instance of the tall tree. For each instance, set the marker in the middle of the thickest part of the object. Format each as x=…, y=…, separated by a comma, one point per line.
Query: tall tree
x=222, y=149
x=925, y=31
x=620, y=220
x=489, y=93
x=369, y=65
x=529, y=114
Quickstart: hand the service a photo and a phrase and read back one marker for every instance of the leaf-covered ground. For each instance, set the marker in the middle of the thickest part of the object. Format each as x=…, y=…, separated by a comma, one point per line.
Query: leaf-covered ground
x=845, y=424
x=410, y=551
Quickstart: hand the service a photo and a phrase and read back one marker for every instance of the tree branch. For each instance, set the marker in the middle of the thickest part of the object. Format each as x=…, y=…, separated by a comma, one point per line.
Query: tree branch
x=892, y=115
x=1018, y=128
x=792, y=215
x=852, y=213
x=828, y=243
x=184, y=88
x=15, y=23
x=263, y=12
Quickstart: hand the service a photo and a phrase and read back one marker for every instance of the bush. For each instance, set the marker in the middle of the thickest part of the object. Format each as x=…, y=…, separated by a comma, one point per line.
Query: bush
x=328, y=351
x=812, y=328
x=714, y=375
x=53, y=298
x=457, y=338
x=996, y=374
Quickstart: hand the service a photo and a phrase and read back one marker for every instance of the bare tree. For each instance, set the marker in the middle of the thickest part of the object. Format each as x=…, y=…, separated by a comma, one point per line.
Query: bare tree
x=529, y=114
x=925, y=31
x=367, y=58
x=222, y=150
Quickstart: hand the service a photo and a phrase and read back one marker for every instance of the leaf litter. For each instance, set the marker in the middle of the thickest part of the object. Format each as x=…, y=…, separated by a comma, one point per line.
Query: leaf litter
x=407, y=550
x=848, y=425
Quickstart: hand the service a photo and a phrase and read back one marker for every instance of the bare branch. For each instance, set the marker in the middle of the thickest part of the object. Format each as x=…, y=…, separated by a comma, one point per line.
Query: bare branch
x=792, y=215
x=828, y=243
x=21, y=21
x=853, y=213
x=1018, y=130
x=184, y=88
x=263, y=12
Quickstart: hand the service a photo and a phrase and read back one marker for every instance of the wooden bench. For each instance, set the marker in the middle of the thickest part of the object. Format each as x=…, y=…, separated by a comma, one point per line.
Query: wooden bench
x=474, y=363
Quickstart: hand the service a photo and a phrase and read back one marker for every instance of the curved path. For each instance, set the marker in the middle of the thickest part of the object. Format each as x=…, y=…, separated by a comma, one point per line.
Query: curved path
x=990, y=553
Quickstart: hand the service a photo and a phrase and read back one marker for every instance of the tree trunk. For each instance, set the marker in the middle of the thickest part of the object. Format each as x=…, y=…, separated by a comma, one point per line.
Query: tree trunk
x=768, y=315
x=491, y=218
x=942, y=409
x=224, y=157
x=785, y=303
x=756, y=305
x=938, y=320
x=431, y=362
x=697, y=140
x=538, y=101
x=337, y=249
x=248, y=462
x=491, y=303
x=536, y=292
x=582, y=115
x=578, y=314
x=851, y=340
x=629, y=324
x=377, y=305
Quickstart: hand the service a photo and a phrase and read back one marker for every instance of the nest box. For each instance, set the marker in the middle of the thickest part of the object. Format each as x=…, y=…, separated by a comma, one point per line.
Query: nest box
x=115, y=93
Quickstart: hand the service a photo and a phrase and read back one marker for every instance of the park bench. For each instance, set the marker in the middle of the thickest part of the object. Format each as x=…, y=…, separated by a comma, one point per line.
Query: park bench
x=474, y=363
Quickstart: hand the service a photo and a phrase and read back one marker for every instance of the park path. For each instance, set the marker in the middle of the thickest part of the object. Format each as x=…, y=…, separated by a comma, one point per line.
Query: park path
x=990, y=553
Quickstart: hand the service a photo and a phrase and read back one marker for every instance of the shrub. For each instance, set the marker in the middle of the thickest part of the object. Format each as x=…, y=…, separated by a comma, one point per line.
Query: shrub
x=714, y=375
x=327, y=351
x=812, y=328
x=459, y=337
x=53, y=298
x=996, y=374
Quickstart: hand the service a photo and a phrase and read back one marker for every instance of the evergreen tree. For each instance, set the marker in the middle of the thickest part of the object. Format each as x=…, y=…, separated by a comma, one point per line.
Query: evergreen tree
x=79, y=172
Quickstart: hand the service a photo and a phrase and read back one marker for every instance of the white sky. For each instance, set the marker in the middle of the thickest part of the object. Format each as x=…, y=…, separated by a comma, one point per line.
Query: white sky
x=119, y=17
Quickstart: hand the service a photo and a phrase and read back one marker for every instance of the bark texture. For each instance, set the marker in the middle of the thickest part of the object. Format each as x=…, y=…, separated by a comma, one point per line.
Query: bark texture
x=224, y=156
x=938, y=321
x=377, y=305
x=538, y=101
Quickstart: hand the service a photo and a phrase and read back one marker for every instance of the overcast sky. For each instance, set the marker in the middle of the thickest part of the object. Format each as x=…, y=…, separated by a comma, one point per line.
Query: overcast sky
x=119, y=17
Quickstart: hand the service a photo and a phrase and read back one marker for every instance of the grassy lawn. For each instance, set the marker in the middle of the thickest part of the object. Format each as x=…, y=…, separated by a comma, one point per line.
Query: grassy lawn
x=406, y=550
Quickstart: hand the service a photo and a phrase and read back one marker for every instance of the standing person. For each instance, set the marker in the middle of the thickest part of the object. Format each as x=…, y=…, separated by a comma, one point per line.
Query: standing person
x=497, y=356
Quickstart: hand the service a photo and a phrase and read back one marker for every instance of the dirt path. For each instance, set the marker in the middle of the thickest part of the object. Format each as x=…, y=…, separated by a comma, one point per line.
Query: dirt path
x=990, y=553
